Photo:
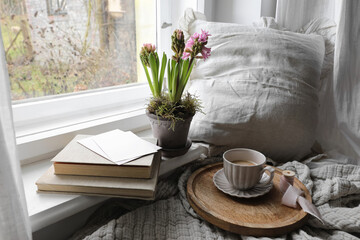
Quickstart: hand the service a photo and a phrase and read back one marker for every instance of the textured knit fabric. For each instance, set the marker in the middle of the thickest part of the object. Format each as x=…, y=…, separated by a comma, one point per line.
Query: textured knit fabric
x=335, y=190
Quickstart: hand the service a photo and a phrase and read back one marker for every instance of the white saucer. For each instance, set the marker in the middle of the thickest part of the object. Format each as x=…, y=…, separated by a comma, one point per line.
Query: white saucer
x=223, y=185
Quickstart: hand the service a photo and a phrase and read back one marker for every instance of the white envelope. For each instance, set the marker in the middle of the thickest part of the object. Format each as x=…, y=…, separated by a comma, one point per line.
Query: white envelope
x=118, y=146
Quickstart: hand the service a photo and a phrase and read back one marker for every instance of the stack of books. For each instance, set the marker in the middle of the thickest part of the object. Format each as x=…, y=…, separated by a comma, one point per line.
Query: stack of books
x=82, y=169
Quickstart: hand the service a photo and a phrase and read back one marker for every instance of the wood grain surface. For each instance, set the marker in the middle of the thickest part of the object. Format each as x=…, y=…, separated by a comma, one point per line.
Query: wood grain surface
x=260, y=216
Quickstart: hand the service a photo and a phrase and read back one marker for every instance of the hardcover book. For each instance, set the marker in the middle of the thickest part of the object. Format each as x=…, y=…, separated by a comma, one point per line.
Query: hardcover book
x=102, y=186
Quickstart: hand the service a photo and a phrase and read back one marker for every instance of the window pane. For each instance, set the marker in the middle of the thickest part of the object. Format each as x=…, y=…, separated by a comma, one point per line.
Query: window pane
x=63, y=46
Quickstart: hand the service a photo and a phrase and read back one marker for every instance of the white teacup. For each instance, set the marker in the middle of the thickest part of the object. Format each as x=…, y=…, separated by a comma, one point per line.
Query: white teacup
x=243, y=168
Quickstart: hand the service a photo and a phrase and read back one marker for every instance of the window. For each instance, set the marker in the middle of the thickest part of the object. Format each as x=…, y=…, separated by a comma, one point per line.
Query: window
x=80, y=71
x=58, y=46
x=78, y=67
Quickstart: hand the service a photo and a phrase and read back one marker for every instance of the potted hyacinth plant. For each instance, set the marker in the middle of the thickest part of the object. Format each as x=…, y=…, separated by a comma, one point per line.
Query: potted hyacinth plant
x=170, y=110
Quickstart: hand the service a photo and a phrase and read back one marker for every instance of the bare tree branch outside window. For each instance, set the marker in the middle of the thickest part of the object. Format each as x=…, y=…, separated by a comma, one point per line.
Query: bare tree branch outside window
x=59, y=46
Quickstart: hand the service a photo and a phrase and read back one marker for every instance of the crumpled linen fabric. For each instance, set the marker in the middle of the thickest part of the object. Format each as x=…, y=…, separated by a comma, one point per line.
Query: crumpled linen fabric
x=259, y=88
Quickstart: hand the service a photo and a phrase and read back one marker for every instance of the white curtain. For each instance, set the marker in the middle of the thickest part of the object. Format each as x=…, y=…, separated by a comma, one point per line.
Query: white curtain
x=14, y=220
x=339, y=123
x=294, y=14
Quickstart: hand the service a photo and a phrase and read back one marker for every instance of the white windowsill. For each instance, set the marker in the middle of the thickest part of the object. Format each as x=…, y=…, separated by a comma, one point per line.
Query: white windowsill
x=46, y=144
x=46, y=209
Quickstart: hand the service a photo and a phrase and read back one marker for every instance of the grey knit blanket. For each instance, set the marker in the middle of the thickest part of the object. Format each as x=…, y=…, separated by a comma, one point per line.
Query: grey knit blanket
x=334, y=186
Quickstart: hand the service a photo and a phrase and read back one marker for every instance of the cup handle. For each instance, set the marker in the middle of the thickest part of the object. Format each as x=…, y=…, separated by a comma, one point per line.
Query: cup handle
x=271, y=171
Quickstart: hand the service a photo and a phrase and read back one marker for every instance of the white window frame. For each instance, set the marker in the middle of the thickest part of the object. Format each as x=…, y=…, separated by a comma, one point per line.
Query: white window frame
x=43, y=126
x=49, y=113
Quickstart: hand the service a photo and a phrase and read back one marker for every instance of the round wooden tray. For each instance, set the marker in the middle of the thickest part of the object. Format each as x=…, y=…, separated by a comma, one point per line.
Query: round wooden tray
x=260, y=216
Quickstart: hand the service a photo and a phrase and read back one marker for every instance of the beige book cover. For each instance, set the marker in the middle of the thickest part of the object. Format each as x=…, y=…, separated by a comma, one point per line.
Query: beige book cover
x=103, y=186
x=75, y=159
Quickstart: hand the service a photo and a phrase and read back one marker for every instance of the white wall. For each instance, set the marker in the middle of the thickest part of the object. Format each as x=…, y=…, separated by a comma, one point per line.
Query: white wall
x=171, y=17
x=237, y=11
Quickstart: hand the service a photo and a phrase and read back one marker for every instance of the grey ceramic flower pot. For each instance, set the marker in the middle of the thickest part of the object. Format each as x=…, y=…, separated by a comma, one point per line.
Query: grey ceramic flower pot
x=168, y=138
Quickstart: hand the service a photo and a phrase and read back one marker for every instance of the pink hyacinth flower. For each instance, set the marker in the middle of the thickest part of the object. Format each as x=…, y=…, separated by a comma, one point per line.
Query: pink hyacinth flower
x=190, y=43
x=188, y=48
x=149, y=47
x=205, y=52
x=195, y=36
x=204, y=36
x=195, y=43
x=186, y=55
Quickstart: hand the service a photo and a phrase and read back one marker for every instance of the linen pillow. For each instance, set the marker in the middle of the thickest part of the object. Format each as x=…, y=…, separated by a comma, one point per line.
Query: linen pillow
x=259, y=88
